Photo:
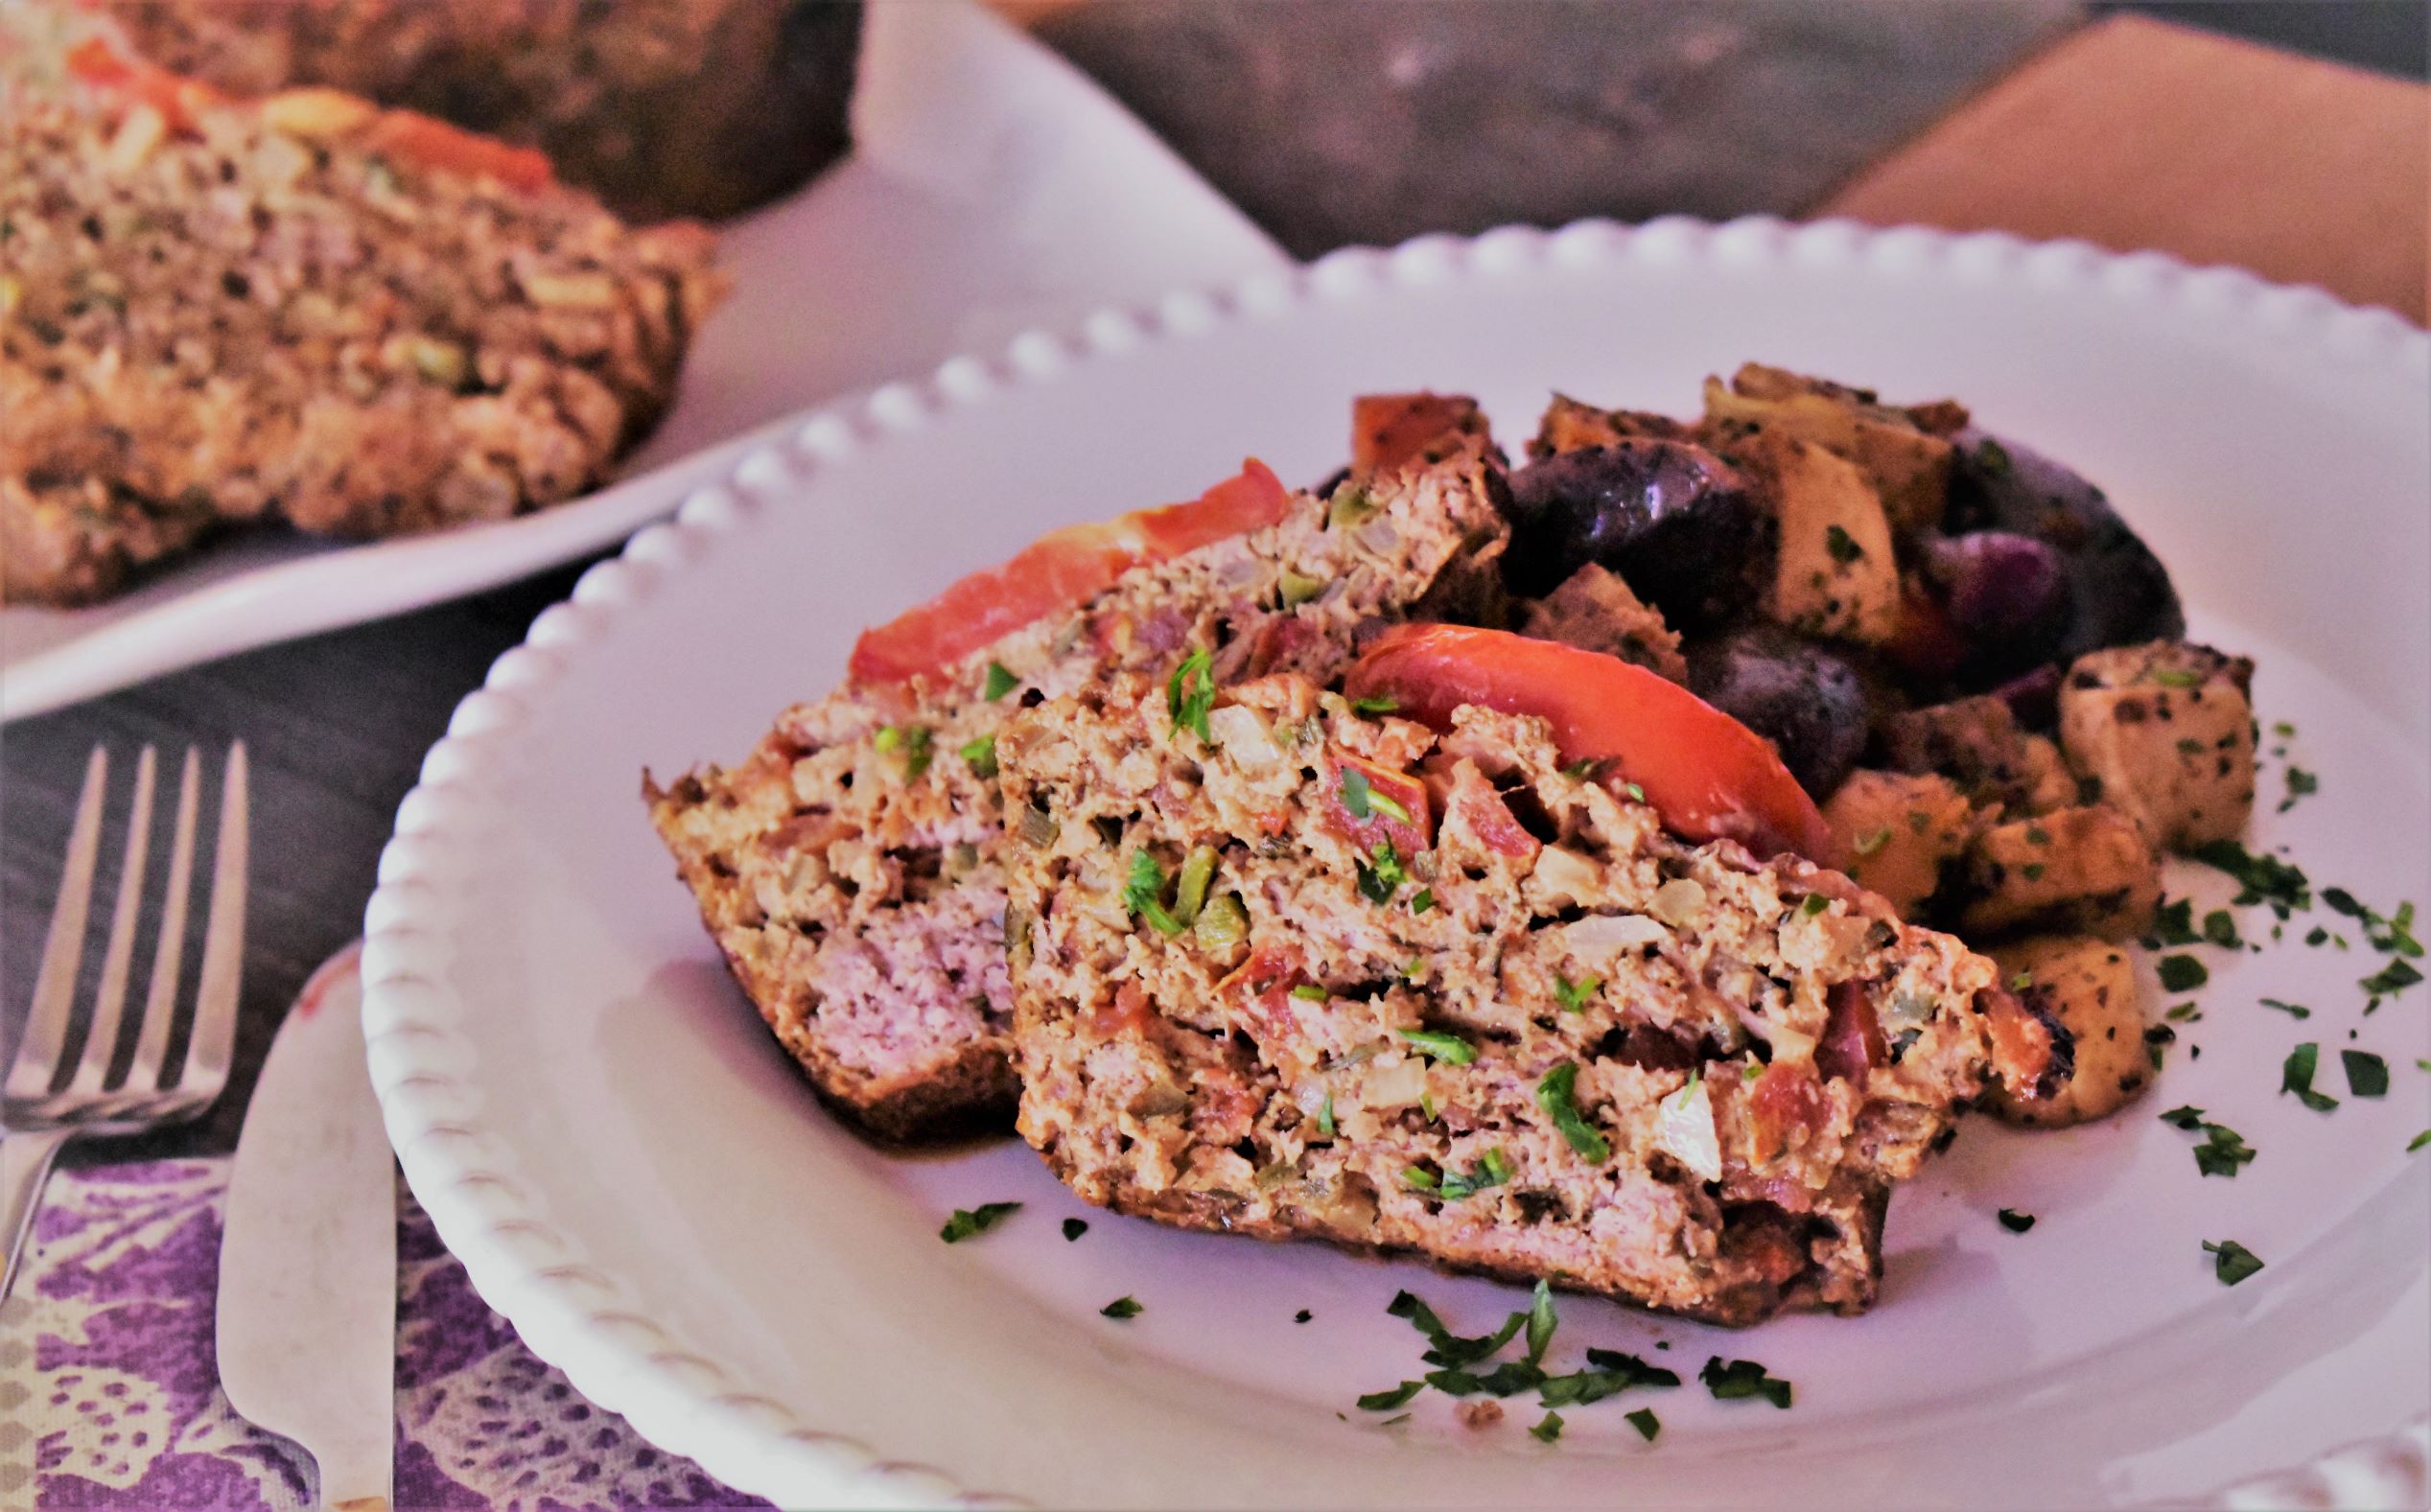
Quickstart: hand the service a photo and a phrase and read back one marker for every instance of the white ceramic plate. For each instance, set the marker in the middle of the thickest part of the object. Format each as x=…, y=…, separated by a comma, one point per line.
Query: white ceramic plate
x=634, y=1175
x=992, y=187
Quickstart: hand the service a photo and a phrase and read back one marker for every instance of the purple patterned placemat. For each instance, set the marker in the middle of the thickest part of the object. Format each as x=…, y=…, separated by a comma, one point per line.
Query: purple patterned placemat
x=109, y=1393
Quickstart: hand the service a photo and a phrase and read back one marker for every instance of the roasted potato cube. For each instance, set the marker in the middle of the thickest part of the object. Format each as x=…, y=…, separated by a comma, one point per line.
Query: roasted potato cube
x=2166, y=728
x=1893, y=832
x=1388, y=432
x=1835, y=573
x=1908, y=464
x=1977, y=743
x=2090, y=870
x=2089, y=986
x=1595, y=609
x=1569, y=425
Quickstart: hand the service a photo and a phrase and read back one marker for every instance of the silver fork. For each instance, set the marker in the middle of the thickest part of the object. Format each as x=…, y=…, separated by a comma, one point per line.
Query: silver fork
x=50, y=1098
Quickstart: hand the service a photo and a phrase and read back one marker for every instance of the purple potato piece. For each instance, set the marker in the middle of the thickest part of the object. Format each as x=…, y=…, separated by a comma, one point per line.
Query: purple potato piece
x=1811, y=703
x=1678, y=524
x=2006, y=594
x=2117, y=591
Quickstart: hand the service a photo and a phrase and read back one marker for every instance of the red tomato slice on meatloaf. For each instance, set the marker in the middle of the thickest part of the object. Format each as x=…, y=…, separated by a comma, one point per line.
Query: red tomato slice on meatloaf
x=1708, y=775
x=1061, y=569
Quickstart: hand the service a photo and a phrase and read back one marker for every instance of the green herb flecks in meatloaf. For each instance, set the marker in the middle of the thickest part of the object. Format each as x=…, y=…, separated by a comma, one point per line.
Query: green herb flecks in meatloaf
x=277, y=310
x=850, y=868
x=1332, y=976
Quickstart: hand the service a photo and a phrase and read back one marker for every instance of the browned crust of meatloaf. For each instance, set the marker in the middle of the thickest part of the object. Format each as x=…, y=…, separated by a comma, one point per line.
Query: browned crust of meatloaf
x=694, y=107
x=264, y=318
x=823, y=851
x=1173, y=1075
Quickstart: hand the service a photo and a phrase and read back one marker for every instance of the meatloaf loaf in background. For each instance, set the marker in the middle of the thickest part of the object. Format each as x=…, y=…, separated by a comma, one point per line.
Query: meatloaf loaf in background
x=661, y=107
x=850, y=868
x=1332, y=976
x=303, y=309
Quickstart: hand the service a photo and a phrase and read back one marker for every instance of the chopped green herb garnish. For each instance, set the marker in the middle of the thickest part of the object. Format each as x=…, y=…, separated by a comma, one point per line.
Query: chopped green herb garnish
x=1581, y=770
x=1450, y=1049
x=969, y=1221
x=2301, y=783
x=1418, y=1178
x=2261, y=878
x=1375, y=704
x=1361, y=798
x=2221, y=929
x=1387, y=1400
x=1637, y=794
x=2177, y=677
x=1556, y=1095
x=1302, y=1316
x=1548, y=1429
x=1541, y=1321
x=1492, y=1170
x=1309, y=993
x=1873, y=841
x=1422, y=901
x=1121, y=1308
x=2234, y=1262
x=1841, y=544
x=1992, y=457
x=1074, y=1228
x=2033, y=871
x=1144, y=893
x=1812, y=905
x=2366, y=1074
x=2291, y=1010
x=2222, y=1152
x=1325, y=1117
x=2391, y=979
x=1732, y=1379
x=980, y=755
x=1000, y=682
x=2189, y=1117
x=1644, y=1420
x=1190, y=695
x=1573, y=995
x=1378, y=883
x=2185, y=1013
x=2418, y=1141
x=2022, y=981
x=2296, y=1074
x=2182, y=973
x=2015, y=1222
x=2173, y=924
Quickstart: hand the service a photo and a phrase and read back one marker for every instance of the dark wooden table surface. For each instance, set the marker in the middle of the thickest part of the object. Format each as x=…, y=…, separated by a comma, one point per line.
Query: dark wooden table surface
x=1331, y=122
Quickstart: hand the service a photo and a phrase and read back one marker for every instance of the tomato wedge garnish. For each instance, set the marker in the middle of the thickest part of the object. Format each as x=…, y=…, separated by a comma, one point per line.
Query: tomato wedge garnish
x=1709, y=776
x=434, y=143
x=1062, y=569
x=178, y=98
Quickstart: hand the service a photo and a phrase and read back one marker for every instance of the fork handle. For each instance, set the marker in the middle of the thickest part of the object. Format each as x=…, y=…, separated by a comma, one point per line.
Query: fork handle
x=25, y=1164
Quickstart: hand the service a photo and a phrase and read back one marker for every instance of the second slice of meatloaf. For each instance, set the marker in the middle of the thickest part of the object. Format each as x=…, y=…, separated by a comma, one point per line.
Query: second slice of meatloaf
x=1438, y=993
x=850, y=868
x=363, y=323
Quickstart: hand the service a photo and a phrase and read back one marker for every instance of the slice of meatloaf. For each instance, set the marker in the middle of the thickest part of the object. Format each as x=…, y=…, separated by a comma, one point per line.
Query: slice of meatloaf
x=1338, y=977
x=850, y=868
x=303, y=309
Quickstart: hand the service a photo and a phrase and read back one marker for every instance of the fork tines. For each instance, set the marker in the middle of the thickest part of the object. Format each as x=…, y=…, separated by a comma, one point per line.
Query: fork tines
x=46, y=1086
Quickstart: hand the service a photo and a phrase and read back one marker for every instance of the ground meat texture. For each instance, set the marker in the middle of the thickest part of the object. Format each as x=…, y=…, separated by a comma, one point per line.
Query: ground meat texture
x=262, y=313
x=692, y=108
x=850, y=868
x=1360, y=1049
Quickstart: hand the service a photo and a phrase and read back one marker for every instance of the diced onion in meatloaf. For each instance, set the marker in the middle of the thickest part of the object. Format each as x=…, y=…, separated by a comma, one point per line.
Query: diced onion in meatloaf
x=1538, y=1038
